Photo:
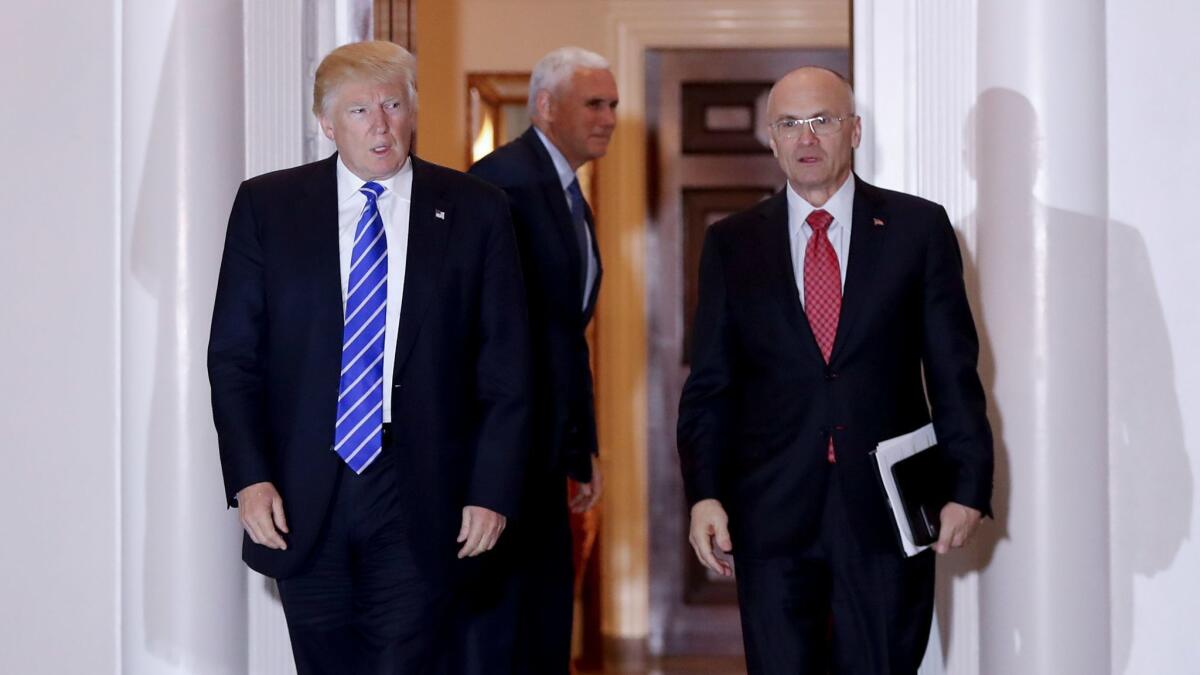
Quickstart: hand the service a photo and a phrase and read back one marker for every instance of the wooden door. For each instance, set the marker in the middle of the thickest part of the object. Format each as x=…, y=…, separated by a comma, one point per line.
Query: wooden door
x=708, y=157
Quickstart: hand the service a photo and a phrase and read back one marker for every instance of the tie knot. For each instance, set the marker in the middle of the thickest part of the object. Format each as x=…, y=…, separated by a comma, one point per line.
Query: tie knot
x=819, y=219
x=574, y=189
x=371, y=190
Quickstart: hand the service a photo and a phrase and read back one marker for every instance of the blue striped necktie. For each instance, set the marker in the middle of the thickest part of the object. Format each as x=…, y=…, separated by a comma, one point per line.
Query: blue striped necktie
x=358, y=438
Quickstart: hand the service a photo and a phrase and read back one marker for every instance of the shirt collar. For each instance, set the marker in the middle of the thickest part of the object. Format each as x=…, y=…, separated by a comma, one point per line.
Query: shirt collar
x=563, y=168
x=840, y=205
x=348, y=184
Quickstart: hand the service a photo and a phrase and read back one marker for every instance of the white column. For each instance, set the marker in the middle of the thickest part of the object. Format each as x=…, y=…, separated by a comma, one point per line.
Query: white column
x=183, y=596
x=915, y=79
x=278, y=103
x=1035, y=144
x=278, y=94
x=1040, y=149
x=60, y=371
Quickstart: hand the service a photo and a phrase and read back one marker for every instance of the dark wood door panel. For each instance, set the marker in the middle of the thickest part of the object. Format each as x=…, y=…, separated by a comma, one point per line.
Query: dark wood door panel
x=702, y=207
x=707, y=156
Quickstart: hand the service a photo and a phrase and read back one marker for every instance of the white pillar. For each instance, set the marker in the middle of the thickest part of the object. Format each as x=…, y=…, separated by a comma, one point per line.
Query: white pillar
x=60, y=547
x=183, y=585
x=915, y=80
x=279, y=68
x=1040, y=150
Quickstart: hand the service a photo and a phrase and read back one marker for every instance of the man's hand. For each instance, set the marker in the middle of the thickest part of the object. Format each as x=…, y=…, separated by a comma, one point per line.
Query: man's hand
x=957, y=525
x=587, y=495
x=480, y=530
x=260, y=509
x=710, y=526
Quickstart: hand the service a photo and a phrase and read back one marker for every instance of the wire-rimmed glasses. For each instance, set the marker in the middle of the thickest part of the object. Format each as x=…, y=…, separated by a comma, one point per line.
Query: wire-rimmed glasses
x=821, y=125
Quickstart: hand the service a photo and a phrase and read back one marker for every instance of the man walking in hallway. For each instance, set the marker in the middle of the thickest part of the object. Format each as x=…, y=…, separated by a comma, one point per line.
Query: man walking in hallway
x=369, y=364
x=525, y=627
x=831, y=316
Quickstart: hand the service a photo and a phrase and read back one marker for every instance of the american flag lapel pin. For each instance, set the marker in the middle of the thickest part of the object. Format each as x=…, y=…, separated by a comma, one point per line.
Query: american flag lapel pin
x=877, y=222
x=439, y=214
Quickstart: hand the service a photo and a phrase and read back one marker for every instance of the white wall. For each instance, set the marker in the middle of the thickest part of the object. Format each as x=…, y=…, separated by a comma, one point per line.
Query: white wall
x=122, y=125
x=123, y=132
x=182, y=157
x=1104, y=115
x=59, y=270
x=1154, y=330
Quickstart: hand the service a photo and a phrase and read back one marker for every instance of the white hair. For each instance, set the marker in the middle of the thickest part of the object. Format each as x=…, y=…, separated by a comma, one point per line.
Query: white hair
x=557, y=67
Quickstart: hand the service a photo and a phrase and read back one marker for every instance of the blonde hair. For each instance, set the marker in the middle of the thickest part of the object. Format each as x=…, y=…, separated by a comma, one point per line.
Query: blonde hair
x=374, y=61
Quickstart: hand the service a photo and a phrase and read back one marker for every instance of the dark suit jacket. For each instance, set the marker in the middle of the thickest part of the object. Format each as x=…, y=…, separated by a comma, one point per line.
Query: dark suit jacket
x=564, y=413
x=461, y=378
x=760, y=400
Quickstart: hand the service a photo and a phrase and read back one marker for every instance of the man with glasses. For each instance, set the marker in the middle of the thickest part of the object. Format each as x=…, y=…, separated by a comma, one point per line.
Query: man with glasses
x=831, y=316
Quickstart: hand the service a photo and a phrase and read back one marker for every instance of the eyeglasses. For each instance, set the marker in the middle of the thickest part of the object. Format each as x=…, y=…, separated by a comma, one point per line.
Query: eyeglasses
x=821, y=125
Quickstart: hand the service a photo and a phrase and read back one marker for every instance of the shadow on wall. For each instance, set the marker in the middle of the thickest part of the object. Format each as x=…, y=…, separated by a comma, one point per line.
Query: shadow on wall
x=1150, y=479
x=979, y=553
x=154, y=238
x=192, y=586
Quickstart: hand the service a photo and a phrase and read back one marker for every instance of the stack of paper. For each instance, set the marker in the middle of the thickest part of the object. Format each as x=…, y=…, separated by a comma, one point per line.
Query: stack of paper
x=915, y=489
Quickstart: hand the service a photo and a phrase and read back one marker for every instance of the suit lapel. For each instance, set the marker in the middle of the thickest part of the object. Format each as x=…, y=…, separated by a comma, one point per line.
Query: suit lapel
x=779, y=254
x=428, y=236
x=866, y=242
x=317, y=216
x=556, y=198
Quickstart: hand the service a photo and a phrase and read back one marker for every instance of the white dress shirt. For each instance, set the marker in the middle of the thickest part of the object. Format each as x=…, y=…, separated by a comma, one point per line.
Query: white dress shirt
x=841, y=207
x=394, y=205
x=566, y=176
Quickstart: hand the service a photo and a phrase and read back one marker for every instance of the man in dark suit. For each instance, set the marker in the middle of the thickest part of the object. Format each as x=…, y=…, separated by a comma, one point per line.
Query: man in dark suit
x=820, y=309
x=369, y=363
x=572, y=103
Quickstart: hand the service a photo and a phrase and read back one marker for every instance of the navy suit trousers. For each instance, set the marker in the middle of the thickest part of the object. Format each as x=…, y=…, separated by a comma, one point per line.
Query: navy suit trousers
x=359, y=605
x=833, y=607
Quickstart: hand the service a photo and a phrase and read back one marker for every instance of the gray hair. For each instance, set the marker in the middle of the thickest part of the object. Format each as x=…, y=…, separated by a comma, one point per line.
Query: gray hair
x=557, y=67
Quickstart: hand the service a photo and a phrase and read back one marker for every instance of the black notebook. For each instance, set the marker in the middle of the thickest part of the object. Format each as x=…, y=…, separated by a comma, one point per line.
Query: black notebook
x=913, y=461
x=923, y=485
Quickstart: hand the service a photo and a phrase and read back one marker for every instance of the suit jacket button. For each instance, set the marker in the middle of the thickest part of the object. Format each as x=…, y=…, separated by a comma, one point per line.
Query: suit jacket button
x=396, y=386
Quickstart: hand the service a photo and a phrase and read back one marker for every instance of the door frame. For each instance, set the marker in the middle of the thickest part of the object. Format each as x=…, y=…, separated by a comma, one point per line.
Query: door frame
x=621, y=388
x=691, y=611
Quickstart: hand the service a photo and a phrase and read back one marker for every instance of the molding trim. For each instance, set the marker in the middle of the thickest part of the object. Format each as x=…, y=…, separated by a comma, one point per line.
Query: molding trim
x=915, y=87
x=275, y=109
x=275, y=127
x=621, y=387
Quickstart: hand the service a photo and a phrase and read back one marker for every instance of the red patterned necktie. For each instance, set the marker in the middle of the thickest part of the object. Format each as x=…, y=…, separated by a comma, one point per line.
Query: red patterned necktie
x=822, y=287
